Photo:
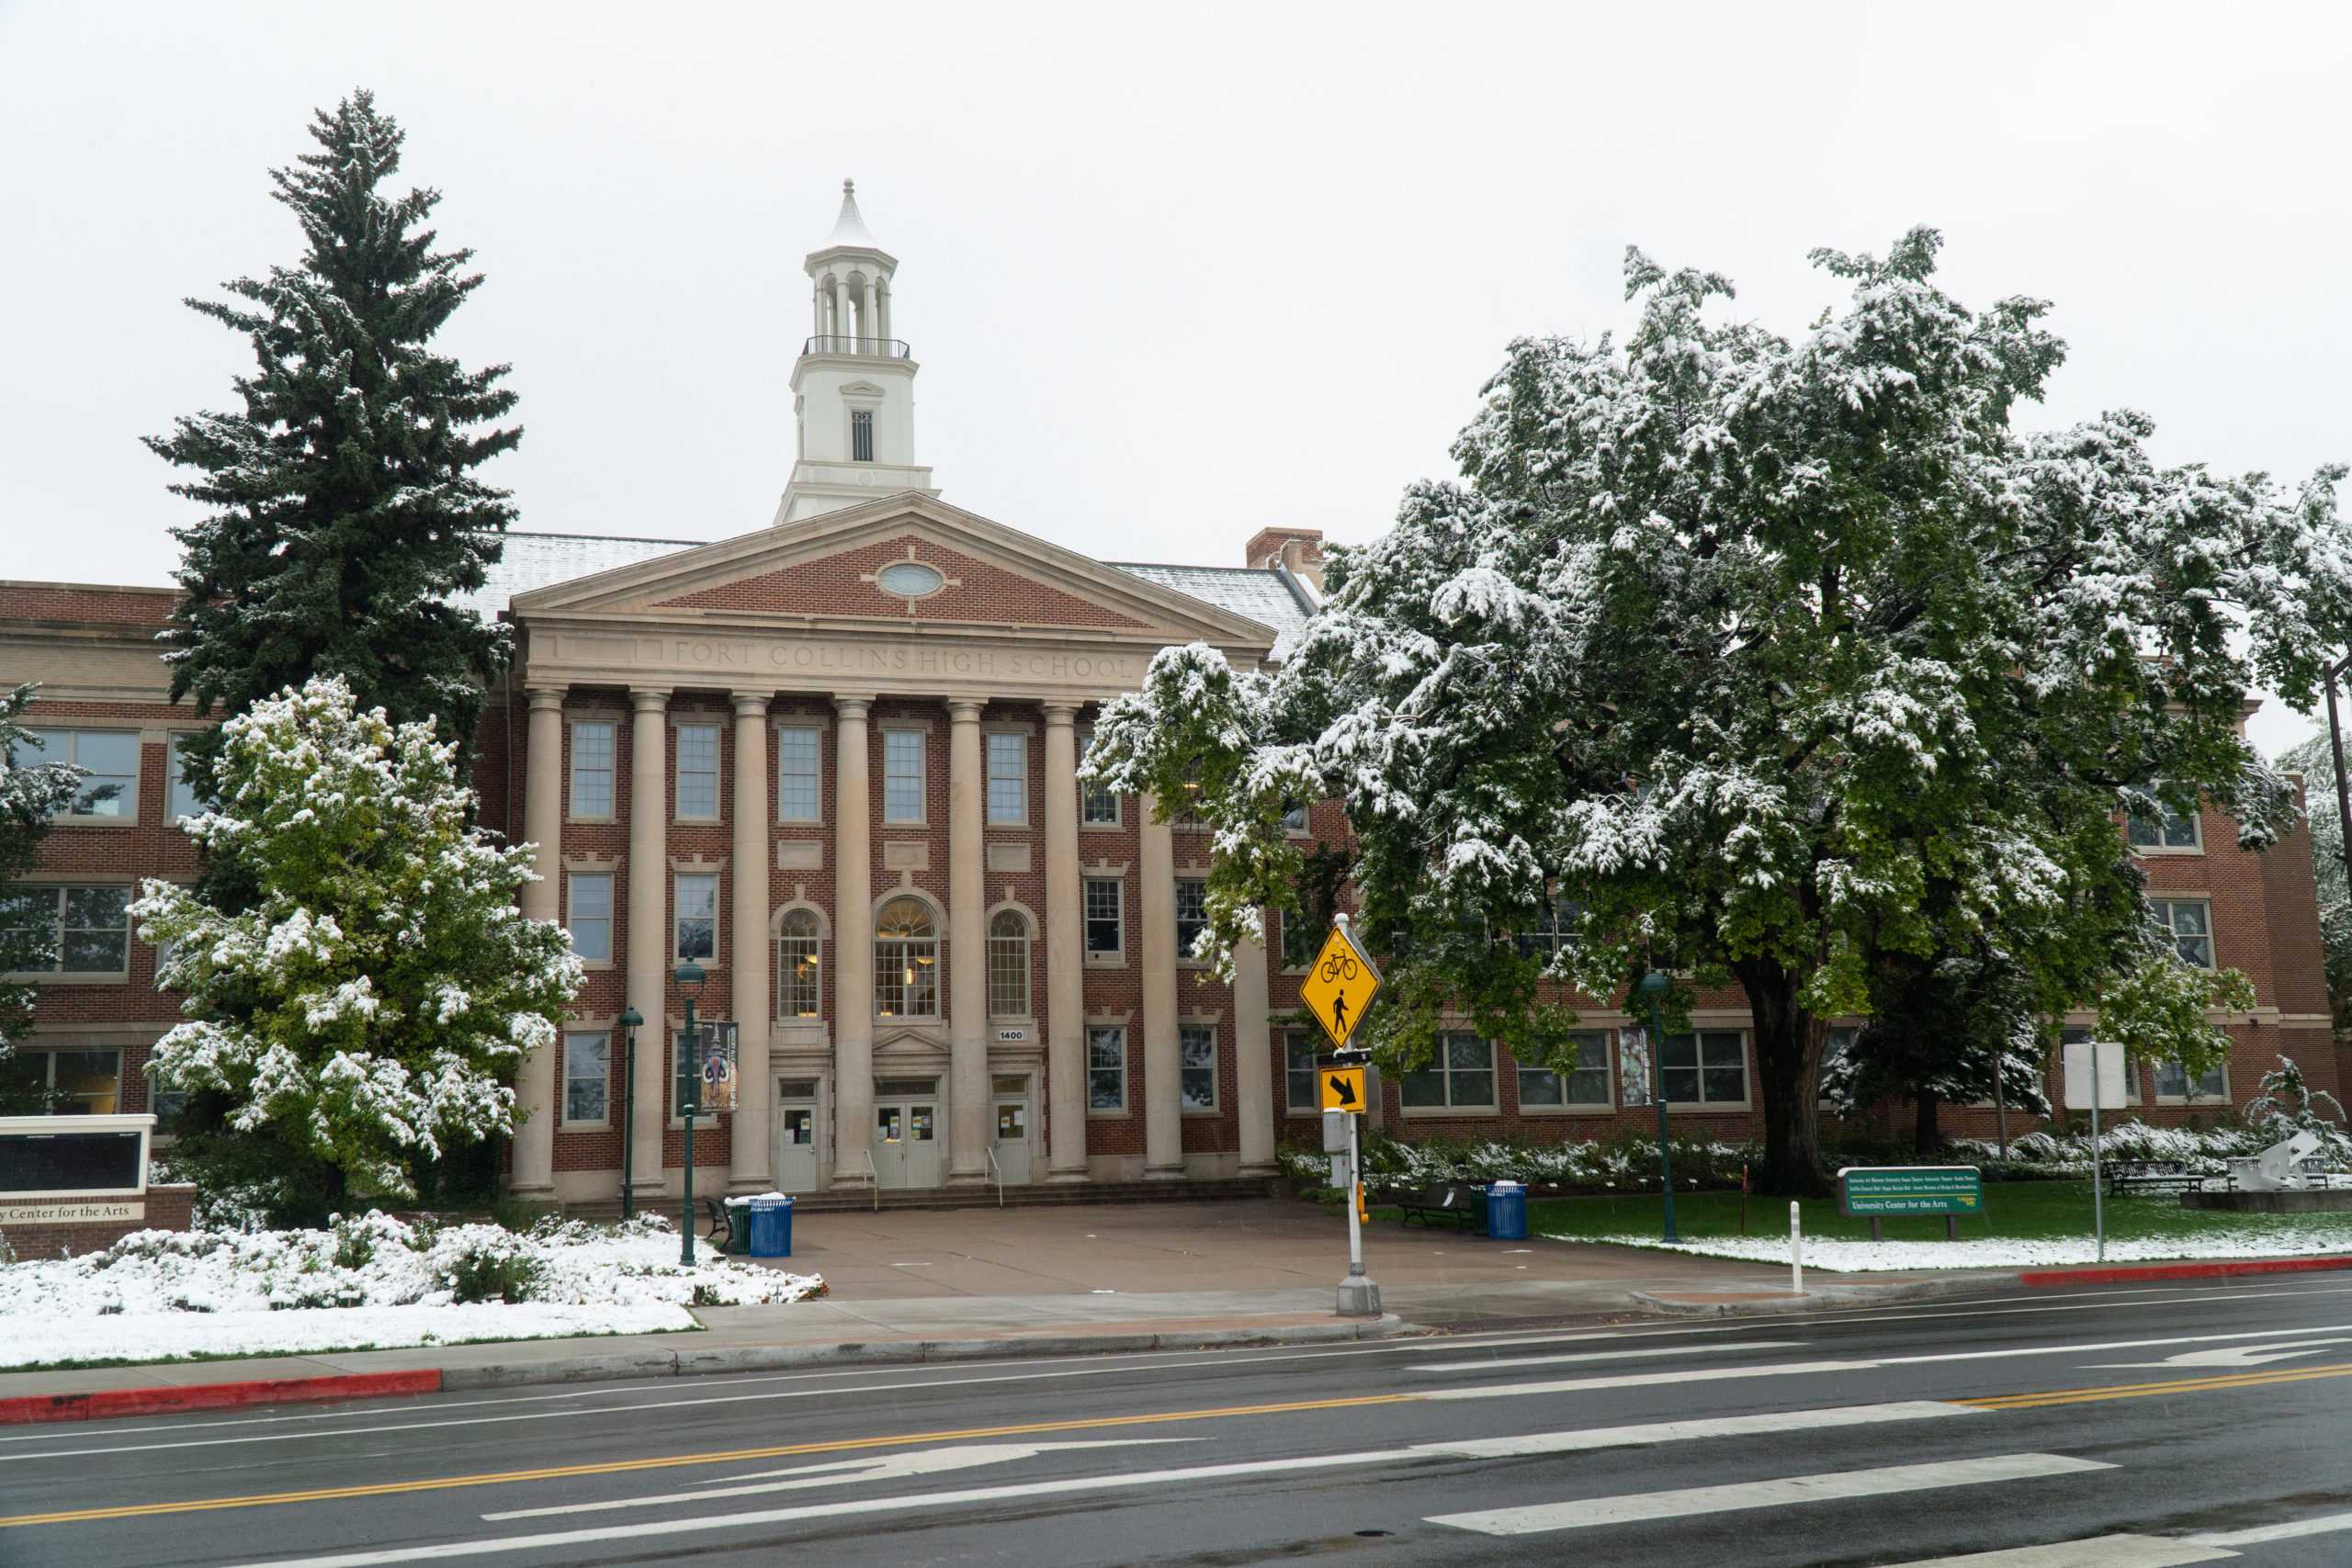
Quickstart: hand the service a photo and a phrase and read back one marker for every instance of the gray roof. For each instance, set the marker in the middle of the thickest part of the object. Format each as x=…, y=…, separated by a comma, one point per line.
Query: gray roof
x=542, y=561
x=1255, y=592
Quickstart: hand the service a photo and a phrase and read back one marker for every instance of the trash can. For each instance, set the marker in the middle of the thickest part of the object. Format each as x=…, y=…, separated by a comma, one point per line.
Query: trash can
x=738, y=1225
x=1506, y=1212
x=771, y=1227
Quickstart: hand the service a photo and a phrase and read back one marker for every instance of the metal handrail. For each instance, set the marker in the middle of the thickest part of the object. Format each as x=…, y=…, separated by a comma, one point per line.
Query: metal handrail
x=872, y=1177
x=1000, y=1175
x=875, y=347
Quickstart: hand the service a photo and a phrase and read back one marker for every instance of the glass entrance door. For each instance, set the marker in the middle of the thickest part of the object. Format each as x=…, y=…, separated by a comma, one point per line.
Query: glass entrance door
x=906, y=1142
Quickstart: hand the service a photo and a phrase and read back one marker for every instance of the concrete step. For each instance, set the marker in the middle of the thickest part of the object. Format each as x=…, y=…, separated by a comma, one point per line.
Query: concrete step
x=1036, y=1195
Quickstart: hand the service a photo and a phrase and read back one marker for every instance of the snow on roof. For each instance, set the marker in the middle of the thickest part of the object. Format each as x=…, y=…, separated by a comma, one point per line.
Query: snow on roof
x=1254, y=592
x=849, y=230
x=542, y=561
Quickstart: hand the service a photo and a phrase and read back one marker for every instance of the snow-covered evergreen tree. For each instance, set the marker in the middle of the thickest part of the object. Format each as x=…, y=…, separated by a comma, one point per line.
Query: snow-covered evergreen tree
x=2315, y=760
x=33, y=790
x=367, y=1010
x=1737, y=642
x=345, y=506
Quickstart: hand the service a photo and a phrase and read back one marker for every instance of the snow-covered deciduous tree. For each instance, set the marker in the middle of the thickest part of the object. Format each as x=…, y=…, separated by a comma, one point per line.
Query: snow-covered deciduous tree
x=1765, y=657
x=345, y=507
x=368, y=1009
x=33, y=790
x=2287, y=1104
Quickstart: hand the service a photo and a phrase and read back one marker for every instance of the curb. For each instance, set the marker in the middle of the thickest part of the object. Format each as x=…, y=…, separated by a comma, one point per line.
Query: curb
x=1837, y=1298
x=114, y=1404
x=2129, y=1272
x=120, y=1404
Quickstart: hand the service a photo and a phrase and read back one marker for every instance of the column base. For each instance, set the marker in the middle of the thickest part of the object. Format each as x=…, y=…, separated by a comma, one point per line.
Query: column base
x=851, y=1181
x=532, y=1193
x=738, y=1186
x=1067, y=1177
x=1164, y=1173
x=1257, y=1168
x=1358, y=1297
x=968, y=1178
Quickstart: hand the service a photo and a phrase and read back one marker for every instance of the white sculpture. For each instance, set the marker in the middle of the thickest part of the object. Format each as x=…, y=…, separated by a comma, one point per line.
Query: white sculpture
x=2281, y=1167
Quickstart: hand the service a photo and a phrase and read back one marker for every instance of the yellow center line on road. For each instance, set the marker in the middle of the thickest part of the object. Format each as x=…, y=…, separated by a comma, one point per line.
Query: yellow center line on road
x=2148, y=1390
x=723, y=1456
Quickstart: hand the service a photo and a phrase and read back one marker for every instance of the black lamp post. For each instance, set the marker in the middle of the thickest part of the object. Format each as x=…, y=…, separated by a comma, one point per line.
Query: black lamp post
x=1653, y=988
x=631, y=1021
x=689, y=977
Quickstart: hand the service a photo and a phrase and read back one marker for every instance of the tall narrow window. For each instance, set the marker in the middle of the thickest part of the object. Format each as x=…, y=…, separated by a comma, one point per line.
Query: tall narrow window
x=1105, y=936
x=1191, y=913
x=698, y=773
x=1196, y=1050
x=1106, y=1069
x=1300, y=1092
x=1301, y=940
x=1097, y=807
x=2190, y=922
x=797, y=798
x=589, y=919
x=1008, y=778
x=1008, y=965
x=861, y=435
x=799, y=954
x=902, y=775
x=183, y=800
x=906, y=959
x=591, y=769
x=587, y=1075
x=697, y=915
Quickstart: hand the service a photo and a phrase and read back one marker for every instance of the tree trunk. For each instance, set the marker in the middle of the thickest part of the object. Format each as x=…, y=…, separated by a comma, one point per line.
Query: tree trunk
x=1926, y=1137
x=1788, y=1070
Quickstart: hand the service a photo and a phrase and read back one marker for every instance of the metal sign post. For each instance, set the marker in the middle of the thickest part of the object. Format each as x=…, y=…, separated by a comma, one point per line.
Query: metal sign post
x=2088, y=1073
x=2099, y=1202
x=1338, y=987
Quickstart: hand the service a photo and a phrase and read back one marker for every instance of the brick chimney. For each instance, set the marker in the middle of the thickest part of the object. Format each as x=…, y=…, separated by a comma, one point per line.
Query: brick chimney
x=1300, y=549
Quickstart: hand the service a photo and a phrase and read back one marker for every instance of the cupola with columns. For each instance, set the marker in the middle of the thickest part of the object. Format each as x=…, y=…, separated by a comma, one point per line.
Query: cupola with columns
x=853, y=386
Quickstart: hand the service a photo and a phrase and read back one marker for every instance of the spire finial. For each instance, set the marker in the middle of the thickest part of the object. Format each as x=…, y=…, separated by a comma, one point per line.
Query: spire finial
x=849, y=187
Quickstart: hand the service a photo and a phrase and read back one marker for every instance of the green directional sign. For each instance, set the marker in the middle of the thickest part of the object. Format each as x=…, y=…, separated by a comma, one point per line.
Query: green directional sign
x=1911, y=1189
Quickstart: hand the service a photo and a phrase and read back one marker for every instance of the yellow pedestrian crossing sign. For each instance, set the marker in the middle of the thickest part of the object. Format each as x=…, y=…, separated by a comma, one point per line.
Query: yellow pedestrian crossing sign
x=1343, y=1088
x=1340, y=984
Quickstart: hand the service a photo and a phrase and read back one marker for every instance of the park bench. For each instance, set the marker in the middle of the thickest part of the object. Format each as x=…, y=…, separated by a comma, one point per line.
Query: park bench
x=718, y=1213
x=2125, y=1177
x=1459, y=1201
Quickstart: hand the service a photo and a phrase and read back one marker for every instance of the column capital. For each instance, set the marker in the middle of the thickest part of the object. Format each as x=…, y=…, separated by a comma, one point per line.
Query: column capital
x=964, y=710
x=852, y=704
x=751, y=704
x=649, y=699
x=544, y=697
x=1062, y=714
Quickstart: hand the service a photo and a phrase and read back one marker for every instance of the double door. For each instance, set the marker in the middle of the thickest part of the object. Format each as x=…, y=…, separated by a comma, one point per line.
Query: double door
x=905, y=1136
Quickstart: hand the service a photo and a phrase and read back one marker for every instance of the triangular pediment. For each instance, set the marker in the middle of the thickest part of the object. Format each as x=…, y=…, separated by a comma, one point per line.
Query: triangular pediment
x=835, y=569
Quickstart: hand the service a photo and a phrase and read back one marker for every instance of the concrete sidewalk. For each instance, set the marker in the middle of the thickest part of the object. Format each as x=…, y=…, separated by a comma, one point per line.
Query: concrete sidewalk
x=915, y=1286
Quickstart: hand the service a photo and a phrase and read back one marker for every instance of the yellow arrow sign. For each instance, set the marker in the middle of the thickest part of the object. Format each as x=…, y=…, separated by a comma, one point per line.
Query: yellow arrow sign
x=1343, y=1088
x=1339, y=986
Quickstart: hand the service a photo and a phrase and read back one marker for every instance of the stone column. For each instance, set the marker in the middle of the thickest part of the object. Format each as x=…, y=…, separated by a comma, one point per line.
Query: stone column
x=1065, y=953
x=535, y=1107
x=853, y=951
x=968, y=972
x=1253, y=1060
x=752, y=1168
x=649, y=928
x=1163, y=1063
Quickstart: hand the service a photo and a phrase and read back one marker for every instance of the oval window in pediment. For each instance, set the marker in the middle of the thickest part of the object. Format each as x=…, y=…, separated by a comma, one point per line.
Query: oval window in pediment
x=910, y=580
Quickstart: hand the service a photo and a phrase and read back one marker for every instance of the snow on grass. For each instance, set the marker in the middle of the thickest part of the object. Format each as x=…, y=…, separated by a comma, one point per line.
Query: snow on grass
x=370, y=1281
x=1999, y=1252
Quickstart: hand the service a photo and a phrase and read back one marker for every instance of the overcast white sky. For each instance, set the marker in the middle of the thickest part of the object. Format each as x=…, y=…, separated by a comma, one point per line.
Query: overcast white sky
x=1172, y=272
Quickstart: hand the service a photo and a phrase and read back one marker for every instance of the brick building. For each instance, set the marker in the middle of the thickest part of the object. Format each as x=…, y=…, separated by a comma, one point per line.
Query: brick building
x=833, y=761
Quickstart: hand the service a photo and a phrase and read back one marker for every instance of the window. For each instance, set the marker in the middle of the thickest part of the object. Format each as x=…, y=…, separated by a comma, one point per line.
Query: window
x=1105, y=938
x=698, y=773
x=1191, y=913
x=182, y=801
x=1106, y=1069
x=1300, y=1095
x=861, y=435
x=589, y=919
x=2172, y=1083
x=697, y=933
x=1706, y=1069
x=1197, y=1052
x=2190, y=922
x=1554, y=929
x=1585, y=1084
x=902, y=775
x=81, y=930
x=1009, y=778
x=109, y=760
x=797, y=798
x=1462, y=1077
x=799, y=951
x=2171, y=830
x=1008, y=965
x=905, y=961
x=1099, y=808
x=591, y=769
x=1294, y=820
x=1300, y=941
x=61, y=1083
x=587, y=1075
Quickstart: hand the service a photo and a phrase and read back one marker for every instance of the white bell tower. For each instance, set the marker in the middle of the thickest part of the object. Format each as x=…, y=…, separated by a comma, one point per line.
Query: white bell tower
x=853, y=385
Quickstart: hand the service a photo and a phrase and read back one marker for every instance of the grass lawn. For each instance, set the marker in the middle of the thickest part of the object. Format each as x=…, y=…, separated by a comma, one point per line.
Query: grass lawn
x=2013, y=1210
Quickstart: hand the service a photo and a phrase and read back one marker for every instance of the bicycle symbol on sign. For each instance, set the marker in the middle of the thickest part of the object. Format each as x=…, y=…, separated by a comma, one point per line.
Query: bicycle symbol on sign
x=1339, y=966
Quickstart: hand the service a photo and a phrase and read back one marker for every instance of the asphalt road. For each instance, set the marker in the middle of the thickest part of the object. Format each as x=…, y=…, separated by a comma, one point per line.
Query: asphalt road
x=2199, y=1423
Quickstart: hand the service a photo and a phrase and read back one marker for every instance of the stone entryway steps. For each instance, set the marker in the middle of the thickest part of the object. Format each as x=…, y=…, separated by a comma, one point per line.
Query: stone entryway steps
x=1035, y=1196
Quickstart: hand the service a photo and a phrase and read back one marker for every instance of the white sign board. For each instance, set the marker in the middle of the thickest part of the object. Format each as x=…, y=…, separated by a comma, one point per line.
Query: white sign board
x=2080, y=1055
x=69, y=1214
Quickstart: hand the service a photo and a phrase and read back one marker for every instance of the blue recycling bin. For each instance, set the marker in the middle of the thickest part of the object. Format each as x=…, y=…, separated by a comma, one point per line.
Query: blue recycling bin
x=1506, y=1212
x=772, y=1227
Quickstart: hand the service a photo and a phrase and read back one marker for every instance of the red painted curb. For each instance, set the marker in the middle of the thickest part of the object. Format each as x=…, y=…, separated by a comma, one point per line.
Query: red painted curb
x=2128, y=1272
x=112, y=1403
